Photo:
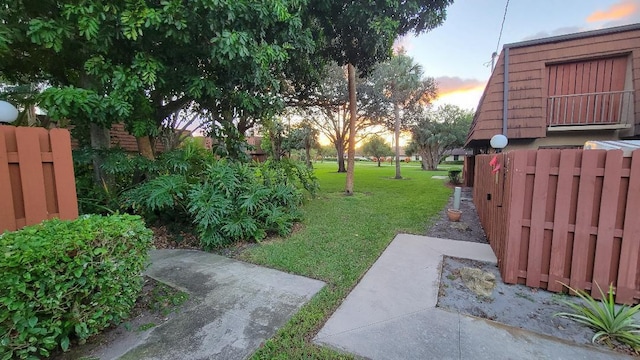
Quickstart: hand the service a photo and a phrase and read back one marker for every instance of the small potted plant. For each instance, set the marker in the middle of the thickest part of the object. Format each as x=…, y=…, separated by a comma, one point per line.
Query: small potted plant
x=454, y=214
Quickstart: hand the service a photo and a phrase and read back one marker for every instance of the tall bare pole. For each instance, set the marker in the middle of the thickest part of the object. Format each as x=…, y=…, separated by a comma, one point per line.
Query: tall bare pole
x=351, y=153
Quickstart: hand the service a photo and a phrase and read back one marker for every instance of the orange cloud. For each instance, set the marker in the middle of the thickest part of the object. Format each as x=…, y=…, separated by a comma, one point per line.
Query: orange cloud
x=614, y=12
x=448, y=85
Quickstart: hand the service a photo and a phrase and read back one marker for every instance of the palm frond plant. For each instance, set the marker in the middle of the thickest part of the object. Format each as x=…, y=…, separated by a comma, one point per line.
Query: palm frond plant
x=610, y=322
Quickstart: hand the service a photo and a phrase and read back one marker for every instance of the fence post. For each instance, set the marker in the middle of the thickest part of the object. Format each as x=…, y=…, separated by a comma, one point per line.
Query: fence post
x=518, y=176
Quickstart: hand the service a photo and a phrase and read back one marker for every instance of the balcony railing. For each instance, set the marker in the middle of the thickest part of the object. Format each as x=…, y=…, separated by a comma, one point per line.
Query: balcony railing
x=601, y=108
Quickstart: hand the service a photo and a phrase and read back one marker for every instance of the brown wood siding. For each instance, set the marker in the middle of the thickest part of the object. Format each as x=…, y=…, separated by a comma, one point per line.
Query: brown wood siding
x=528, y=85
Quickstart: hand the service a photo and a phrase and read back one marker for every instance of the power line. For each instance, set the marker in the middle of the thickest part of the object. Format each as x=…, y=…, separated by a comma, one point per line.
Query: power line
x=504, y=17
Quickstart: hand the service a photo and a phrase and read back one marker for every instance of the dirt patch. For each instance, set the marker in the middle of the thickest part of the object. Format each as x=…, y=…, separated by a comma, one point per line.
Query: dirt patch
x=467, y=229
x=165, y=238
x=513, y=305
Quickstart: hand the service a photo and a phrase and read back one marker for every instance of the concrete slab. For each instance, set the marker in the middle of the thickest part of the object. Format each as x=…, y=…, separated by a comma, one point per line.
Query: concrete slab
x=416, y=331
x=233, y=307
x=391, y=313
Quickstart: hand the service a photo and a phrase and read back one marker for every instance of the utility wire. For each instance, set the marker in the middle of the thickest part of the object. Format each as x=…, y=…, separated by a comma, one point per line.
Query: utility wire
x=504, y=17
x=495, y=54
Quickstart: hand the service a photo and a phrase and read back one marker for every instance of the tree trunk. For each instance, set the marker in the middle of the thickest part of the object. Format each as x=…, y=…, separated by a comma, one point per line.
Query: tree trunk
x=424, y=160
x=396, y=112
x=144, y=147
x=351, y=71
x=100, y=140
x=378, y=161
x=307, y=151
x=340, y=157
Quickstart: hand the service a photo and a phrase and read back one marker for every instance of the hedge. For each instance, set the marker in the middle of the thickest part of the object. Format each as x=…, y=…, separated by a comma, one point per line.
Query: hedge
x=67, y=280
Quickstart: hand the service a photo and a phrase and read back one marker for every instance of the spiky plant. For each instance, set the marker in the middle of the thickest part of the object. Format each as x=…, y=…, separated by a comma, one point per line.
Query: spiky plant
x=610, y=322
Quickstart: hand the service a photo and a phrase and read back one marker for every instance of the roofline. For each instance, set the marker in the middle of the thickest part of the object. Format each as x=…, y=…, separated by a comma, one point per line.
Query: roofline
x=574, y=36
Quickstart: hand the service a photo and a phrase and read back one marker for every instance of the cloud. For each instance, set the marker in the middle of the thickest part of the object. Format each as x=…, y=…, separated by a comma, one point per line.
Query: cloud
x=452, y=84
x=617, y=11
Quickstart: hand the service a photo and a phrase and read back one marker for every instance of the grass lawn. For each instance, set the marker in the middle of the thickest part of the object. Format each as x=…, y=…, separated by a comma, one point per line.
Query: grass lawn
x=341, y=238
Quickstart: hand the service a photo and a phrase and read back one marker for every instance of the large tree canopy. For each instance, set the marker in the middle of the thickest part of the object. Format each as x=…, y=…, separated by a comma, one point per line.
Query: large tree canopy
x=437, y=131
x=228, y=57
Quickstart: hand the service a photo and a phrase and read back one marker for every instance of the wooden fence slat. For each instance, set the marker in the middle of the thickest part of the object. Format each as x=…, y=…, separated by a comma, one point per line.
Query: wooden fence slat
x=7, y=213
x=63, y=172
x=629, y=252
x=559, y=240
x=584, y=212
x=607, y=221
x=517, y=171
x=31, y=174
x=538, y=209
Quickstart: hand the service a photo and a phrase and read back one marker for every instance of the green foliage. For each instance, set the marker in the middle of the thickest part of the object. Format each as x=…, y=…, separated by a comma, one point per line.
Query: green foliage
x=610, y=322
x=234, y=204
x=124, y=172
x=236, y=59
x=127, y=171
x=454, y=176
x=67, y=280
x=437, y=131
x=228, y=201
x=377, y=147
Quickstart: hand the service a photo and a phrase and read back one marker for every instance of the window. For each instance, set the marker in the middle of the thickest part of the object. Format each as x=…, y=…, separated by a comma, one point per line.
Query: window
x=587, y=92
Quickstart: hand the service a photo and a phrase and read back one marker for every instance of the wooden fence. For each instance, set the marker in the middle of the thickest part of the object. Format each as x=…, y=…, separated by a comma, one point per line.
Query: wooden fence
x=36, y=176
x=563, y=216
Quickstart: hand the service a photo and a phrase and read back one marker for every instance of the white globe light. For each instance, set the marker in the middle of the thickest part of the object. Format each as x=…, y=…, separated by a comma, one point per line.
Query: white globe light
x=499, y=141
x=8, y=112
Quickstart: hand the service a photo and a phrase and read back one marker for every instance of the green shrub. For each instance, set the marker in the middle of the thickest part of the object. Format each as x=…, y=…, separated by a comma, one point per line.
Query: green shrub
x=229, y=201
x=66, y=280
x=610, y=322
x=125, y=171
x=454, y=177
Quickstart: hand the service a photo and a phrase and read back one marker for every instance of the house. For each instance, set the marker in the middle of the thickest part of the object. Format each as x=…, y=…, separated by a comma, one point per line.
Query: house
x=561, y=91
x=121, y=138
x=457, y=154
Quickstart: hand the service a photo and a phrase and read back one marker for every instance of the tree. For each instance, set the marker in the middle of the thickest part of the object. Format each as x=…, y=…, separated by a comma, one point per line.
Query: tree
x=399, y=82
x=303, y=136
x=361, y=34
x=376, y=147
x=155, y=58
x=177, y=127
x=328, y=111
x=437, y=131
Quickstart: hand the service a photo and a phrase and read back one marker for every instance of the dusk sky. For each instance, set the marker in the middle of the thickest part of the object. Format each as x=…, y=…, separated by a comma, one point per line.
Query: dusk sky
x=458, y=53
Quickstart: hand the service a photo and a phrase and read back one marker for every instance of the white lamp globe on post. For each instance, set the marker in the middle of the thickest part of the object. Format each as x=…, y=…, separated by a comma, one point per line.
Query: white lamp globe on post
x=499, y=142
x=8, y=113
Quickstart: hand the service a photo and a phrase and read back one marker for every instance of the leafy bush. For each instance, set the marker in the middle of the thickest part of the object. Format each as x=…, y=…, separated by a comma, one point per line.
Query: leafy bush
x=126, y=171
x=229, y=201
x=123, y=171
x=454, y=177
x=66, y=280
x=602, y=316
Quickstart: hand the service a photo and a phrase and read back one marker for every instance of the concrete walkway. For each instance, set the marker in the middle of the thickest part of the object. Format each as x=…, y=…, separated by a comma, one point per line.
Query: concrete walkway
x=391, y=313
x=233, y=308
